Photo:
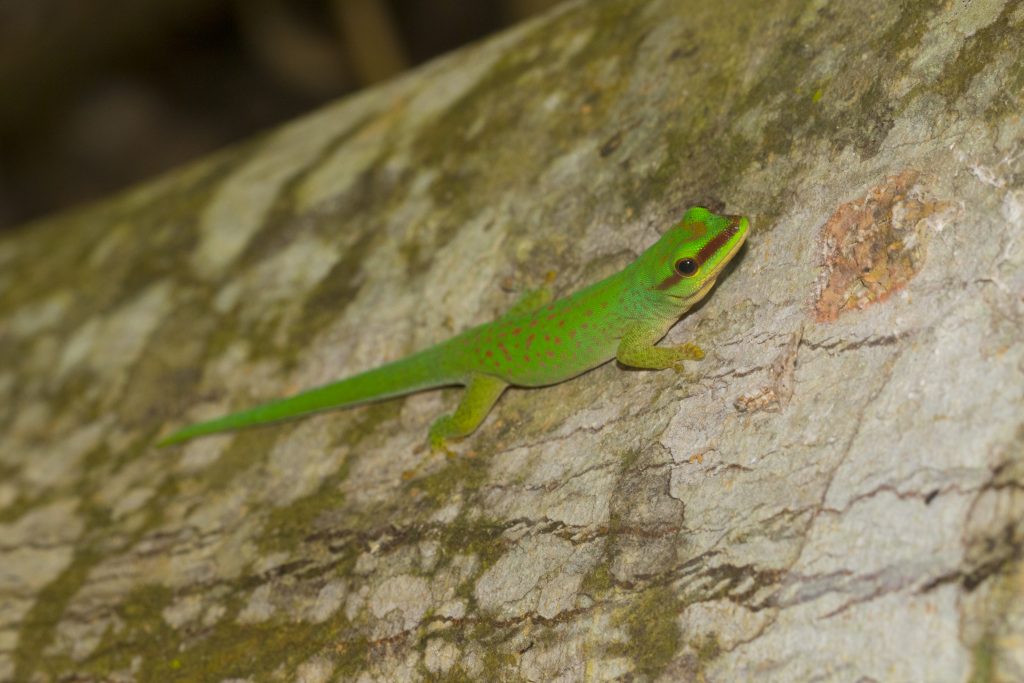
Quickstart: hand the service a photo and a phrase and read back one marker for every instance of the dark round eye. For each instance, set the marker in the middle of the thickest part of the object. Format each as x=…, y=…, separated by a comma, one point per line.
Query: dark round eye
x=686, y=266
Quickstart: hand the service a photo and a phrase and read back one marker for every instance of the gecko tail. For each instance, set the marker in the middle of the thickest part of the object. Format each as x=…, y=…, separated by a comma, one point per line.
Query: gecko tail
x=424, y=370
x=305, y=403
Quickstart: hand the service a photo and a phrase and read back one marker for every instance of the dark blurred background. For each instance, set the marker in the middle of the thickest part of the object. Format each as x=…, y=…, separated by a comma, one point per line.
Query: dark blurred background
x=96, y=95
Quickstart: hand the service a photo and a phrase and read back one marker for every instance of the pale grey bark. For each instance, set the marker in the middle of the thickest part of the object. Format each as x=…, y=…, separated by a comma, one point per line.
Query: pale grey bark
x=837, y=494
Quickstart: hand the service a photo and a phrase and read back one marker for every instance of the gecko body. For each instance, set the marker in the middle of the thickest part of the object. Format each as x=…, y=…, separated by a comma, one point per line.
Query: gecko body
x=540, y=342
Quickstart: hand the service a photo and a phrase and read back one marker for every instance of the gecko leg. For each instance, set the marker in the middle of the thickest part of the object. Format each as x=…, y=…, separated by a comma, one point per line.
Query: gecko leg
x=481, y=394
x=637, y=350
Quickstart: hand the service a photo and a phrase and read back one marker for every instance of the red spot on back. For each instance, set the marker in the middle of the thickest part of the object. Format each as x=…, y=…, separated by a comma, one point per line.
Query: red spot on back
x=552, y=316
x=529, y=340
x=517, y=330
x=572, y=333
x=583, y=326
x=558, y=340
x=526, y=359
x=590, y=311
x=551, y=353
x=490, y=353
x=547, y=337
x=561, y=323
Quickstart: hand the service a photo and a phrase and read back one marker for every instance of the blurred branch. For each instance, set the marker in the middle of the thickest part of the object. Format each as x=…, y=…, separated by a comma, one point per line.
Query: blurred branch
x=371, y=36
x=95, y=95
x=516, y=10
x=300, y=54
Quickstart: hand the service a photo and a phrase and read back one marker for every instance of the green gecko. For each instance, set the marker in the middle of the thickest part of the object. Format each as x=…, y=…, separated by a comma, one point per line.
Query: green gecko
x=539, y=342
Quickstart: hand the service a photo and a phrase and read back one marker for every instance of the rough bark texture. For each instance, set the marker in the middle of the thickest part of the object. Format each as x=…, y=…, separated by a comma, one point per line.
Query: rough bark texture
x=838, y=494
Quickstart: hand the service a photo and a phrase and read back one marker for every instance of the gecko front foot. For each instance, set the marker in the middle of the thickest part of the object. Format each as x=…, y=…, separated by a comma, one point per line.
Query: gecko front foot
x=685, y=352
x=689, y=351
x=637, y=350
x=438, y=444
x=435, y=444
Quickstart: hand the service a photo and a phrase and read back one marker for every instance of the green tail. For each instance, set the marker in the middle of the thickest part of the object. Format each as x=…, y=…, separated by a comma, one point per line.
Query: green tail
x=422, y=370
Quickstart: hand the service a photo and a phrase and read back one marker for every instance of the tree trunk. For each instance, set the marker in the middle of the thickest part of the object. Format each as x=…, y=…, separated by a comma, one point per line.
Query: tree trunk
x=835, y=493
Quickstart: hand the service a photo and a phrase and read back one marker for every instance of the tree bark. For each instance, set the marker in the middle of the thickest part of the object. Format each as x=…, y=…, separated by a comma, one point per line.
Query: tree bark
x=835, y=493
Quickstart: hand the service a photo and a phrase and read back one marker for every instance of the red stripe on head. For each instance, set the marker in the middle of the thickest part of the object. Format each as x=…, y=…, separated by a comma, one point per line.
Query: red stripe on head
x=719, y=241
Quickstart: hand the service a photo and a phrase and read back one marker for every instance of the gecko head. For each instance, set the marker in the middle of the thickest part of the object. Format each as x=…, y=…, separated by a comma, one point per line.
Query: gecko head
x=687, y=260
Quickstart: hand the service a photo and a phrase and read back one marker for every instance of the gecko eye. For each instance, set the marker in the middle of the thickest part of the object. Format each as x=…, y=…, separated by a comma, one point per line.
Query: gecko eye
x=686, y=266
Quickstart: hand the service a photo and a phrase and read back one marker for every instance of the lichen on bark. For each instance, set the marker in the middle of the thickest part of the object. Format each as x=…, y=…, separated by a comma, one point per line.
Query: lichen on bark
x=835, y=493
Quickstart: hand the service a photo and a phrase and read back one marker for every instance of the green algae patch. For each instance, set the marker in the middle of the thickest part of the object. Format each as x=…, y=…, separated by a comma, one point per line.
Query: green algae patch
x=366, y=423
x=286, y=527
x=983, y=656
x=597, y=581
x=327, y=301
x=230, y=650
x=458, y=473
x=22, y=503
x=456, y=674
x=237, y=651
x=163, y=383
x=654, y=633
x=522, y=130
x=238, y=457
x=38, y=627
x=481, y=537
x=708, y=648
x=499, y=665
x=981, y=50
x=144, y=633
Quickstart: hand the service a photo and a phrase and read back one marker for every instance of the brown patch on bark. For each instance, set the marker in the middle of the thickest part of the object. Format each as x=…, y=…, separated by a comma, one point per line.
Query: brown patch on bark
x=777, y=394
x=874, y=246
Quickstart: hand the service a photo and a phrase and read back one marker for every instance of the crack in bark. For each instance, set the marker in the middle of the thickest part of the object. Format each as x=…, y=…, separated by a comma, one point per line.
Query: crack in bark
x=871, y=341
x=926, y=497
x=817, y=509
